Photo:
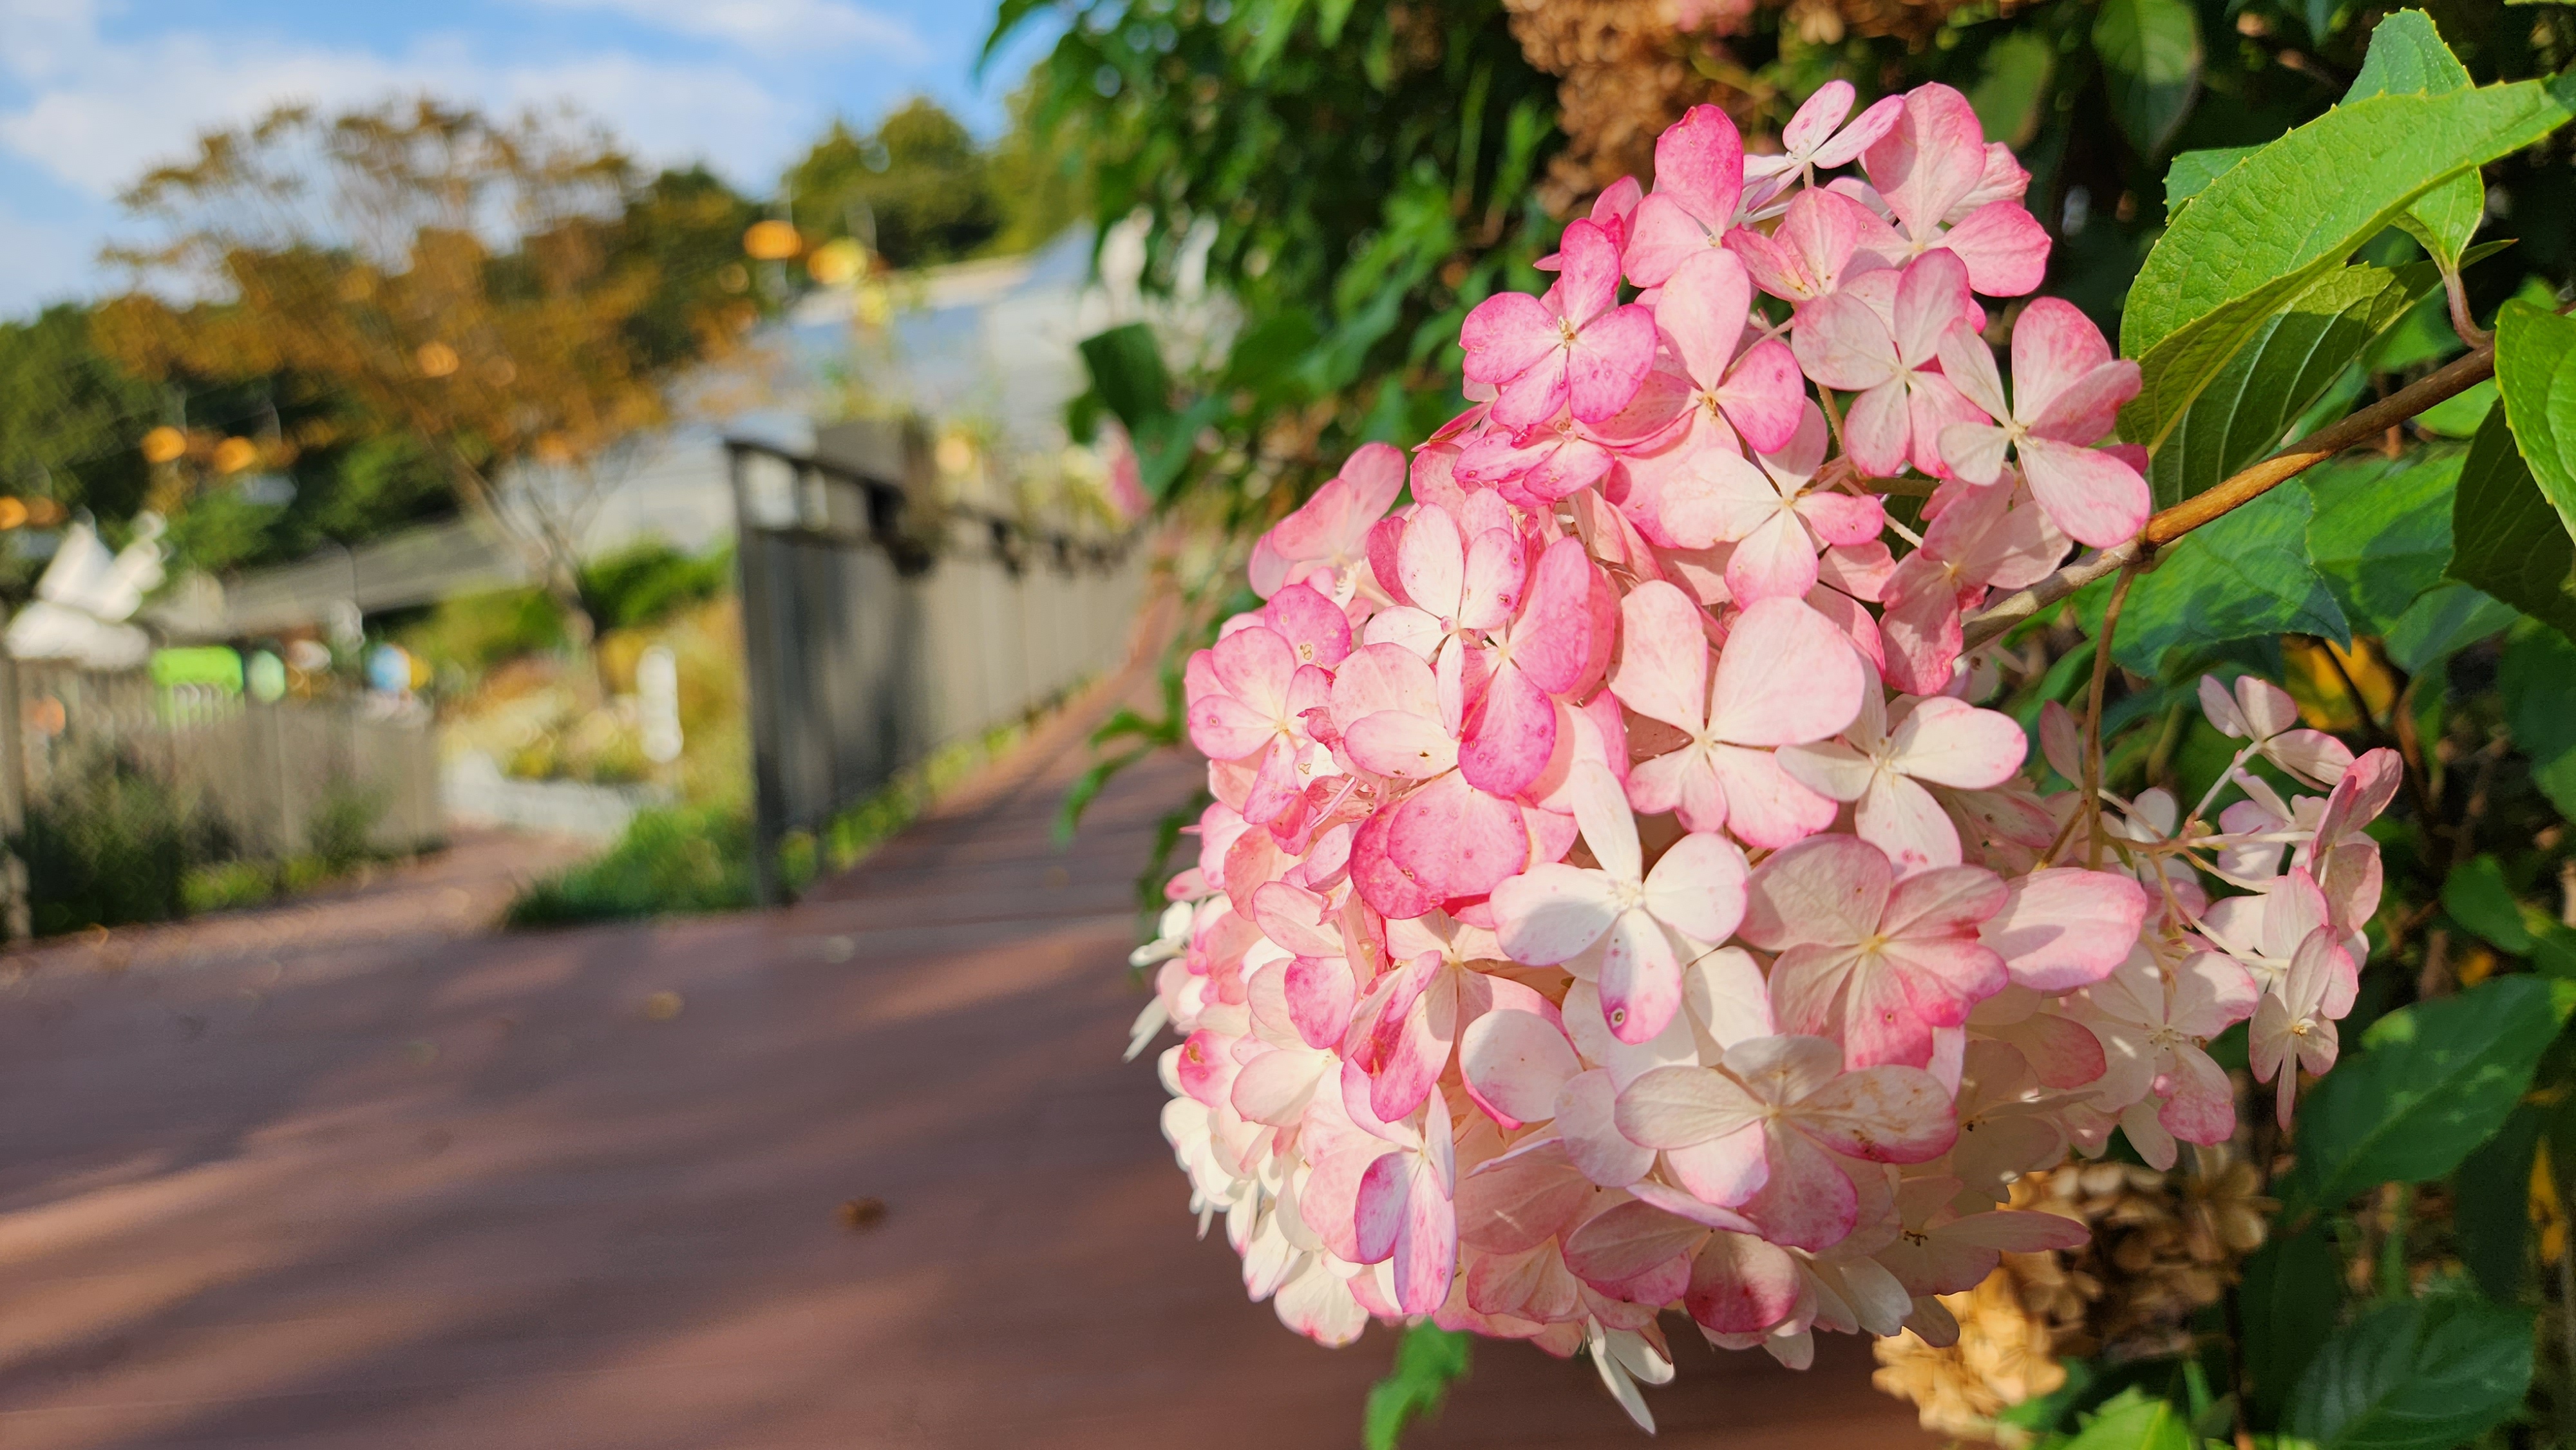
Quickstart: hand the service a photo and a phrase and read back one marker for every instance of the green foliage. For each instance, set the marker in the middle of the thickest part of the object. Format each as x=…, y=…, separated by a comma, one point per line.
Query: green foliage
x=2150, y=53
x=2295, y=210
x=69, y=416
x=2507, y=540
x=2382, y=532
x=2435, y=1080
x=477, y=631
x=2536, y=372
x=649, y=581
x=2247, y=575
x=2284, y=362
x=916, y=189
x=2131, y=1420
x=108, y=844
x=2407, y=57
x=2539, y=686
x=2293, y=1288
x=2424, y=1374
x=669, y=861
x=2478, y=897
x=1368, y=174
x=1428, y=1359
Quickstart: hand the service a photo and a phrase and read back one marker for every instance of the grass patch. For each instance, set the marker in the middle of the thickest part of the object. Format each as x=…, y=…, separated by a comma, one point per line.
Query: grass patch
x=681, y=859
x=691, y=859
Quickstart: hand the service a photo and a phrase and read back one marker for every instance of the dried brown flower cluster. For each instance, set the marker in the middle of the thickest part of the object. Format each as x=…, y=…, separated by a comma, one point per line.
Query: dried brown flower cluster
x=1629, y=68
x=2164, y=1245
x=1625, y=75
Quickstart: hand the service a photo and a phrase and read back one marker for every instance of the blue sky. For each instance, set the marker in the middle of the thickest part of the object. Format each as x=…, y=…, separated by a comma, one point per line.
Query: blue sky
x=94, y=91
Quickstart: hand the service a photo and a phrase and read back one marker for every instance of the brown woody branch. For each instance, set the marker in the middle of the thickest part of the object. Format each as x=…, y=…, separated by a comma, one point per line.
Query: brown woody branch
x=2450, y=381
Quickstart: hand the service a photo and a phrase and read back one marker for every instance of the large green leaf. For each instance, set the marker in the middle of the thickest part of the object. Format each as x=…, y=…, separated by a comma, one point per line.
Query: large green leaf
x=2407, y=57
x=2539, y=685
x=2150, y=54
x=2303, y=203
x=2478, y=897
x=2285, y=360
x=2536, y=369
x=2382, y=532
x=2425, y=1374
x=2442, y=621
x=2011, y=86
x=2293, y=1286
x=2243, y=576
x=2193, y=171
x=2433, y=1081
x=2133, y=1420
x=2491, y=1205
x=2506, y=539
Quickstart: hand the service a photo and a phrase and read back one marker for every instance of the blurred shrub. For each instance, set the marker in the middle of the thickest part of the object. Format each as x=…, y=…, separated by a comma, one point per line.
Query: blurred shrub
x=474, y=632
x=108, y=844
x=341, y=834
x=649, y=582
x=691, y=858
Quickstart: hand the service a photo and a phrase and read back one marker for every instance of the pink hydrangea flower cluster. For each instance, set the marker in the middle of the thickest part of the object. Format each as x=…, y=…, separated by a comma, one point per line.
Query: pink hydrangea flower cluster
x=1614, y=899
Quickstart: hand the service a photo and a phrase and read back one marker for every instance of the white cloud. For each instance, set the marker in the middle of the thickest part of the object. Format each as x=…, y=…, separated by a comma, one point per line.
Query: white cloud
x=116, y=109
x=771, y=27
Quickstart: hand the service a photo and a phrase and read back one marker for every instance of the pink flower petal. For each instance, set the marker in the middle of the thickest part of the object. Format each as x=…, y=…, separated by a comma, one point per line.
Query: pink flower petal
x=2097, y=499
x=1786, y=676
x=2004, y=246
x=1518, y=1061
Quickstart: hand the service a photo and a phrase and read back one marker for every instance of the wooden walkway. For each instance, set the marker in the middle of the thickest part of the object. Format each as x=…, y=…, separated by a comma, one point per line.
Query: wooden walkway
x=365, y=1175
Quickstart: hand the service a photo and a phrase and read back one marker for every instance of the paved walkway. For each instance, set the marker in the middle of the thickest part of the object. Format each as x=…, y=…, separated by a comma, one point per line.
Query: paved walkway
x=358, y=1173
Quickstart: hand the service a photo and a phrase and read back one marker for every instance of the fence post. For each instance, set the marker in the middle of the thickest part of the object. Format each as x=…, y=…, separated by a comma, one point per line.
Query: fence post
x=759, y=659
x=17, y=914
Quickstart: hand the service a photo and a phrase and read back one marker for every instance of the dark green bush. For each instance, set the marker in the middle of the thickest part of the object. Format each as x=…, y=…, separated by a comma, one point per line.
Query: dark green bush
x=648, y=582
x=109, y=844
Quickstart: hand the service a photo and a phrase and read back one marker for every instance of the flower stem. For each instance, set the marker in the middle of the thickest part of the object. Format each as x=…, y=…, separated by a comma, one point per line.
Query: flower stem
x=2093, y=714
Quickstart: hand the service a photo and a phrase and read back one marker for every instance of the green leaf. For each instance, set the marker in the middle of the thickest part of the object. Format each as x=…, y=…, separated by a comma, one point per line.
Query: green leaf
x=2476, y=896
x=2506, y=539
x=2425, y=1374
x=2407, y=57
x=2292, y=1286
x=2536, y=369
x=2193, y=171
x=2150, y=53
x=2132, y=1420
x=1427, y=1360
x=1273, y=24
x=1127, y=372
x=2539, y=686
x=2382, y=532
x=2435, y=1079
x=2491, y=1205
x=2461, y=414
x=2441, y=622
x=2284, y=361
x=2011, y=85
x=2302, y=204
x=2245, y=575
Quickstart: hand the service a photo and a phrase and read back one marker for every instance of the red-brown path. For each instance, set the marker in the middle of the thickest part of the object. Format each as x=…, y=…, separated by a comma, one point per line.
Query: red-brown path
x=360, y=1175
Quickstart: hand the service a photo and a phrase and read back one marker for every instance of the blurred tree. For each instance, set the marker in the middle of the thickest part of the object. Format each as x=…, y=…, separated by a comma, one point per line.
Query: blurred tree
x=917, y=189
x=69, y=416
x=1038, y=178
x=515, y=295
